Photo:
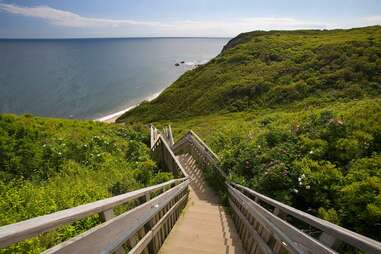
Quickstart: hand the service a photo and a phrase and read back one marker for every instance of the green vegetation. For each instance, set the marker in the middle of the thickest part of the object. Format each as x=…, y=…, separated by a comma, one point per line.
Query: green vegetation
x=271, y=69
x=295, y=115
x=48, y=165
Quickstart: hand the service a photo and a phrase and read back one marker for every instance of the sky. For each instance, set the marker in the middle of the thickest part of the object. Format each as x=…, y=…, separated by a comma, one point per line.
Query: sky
x=178, y=18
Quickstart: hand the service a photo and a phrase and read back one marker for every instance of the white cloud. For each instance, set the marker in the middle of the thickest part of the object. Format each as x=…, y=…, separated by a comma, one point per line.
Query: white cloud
x=127, y=27
x=373, y=19
x=68, y=19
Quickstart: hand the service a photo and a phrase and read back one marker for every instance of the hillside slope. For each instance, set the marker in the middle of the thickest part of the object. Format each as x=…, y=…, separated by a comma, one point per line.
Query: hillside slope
x=295, y=115
x=47, y=165
x=270, y=69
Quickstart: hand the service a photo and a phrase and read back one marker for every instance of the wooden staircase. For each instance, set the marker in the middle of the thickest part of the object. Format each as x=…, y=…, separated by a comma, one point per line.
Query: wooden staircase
x=184, y=215
x=205, y=226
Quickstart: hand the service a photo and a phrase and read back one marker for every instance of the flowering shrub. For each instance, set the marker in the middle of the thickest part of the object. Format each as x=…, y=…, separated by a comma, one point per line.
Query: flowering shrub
x=325, y=163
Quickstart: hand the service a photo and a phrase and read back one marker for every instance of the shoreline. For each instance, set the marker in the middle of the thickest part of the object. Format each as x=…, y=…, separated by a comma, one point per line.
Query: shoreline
x=111, y=118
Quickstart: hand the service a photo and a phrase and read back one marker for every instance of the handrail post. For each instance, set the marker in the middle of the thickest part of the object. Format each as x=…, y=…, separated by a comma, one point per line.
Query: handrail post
x=170, y=136
x=328, y=240
x=106, y=216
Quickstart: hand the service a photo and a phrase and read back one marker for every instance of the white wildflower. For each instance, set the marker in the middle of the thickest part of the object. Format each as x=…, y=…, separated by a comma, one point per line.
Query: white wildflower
x=308, y=187
x=311, y=152
x=295, y=190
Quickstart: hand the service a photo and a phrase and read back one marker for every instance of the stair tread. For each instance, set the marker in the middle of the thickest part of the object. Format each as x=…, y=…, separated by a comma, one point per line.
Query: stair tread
x=205, y=226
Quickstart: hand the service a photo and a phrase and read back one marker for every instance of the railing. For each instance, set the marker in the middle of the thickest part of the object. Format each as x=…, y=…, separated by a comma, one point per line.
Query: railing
x=164, y=156
x=268, y=226
x=141, y=229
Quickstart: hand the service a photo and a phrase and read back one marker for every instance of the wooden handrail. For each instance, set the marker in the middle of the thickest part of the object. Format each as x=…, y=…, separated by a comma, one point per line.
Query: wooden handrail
x=25, y=229
x=203, y=149
x=361, y=242
x=332, y=232
x=296, y=241
x=171, y=159
x=109, y=236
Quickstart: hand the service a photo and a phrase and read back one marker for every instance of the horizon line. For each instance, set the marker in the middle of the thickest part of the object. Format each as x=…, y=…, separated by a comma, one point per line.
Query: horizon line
x=132, y=37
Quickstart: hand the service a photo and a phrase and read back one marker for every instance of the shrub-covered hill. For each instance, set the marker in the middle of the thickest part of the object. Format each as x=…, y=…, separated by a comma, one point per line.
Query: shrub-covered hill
x=48, y=165
x=270, y=69
x=295, y=115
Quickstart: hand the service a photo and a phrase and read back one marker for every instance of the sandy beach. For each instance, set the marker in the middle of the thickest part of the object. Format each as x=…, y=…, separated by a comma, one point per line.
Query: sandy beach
x=111, y=118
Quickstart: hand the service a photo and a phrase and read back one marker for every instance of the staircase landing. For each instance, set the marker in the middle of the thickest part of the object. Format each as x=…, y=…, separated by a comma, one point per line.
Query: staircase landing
x=204, y=226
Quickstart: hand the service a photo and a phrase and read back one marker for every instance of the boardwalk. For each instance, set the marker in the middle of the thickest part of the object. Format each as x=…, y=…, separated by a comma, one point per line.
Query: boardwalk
x=204, y=226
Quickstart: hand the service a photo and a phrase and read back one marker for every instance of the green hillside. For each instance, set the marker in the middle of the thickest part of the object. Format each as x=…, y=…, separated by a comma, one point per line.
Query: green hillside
x=48, y=165
x=272, y=69
x=295, y=115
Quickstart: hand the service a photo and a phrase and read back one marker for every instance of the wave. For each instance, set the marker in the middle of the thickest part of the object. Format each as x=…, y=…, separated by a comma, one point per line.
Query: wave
x=194, y=63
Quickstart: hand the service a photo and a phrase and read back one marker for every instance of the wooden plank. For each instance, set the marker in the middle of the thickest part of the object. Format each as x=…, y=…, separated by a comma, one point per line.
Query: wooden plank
x=328, y=240
x=253, y=233
x=359, y=241
x=110, y=235
x=170, y=135
x=107, y=215
x=169, y=150
x=151, y=234
x=25, y=229
x=295, y=239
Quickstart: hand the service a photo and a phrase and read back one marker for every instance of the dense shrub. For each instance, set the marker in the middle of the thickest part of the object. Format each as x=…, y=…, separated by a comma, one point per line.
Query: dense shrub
x=326, y=163
x=47, y=165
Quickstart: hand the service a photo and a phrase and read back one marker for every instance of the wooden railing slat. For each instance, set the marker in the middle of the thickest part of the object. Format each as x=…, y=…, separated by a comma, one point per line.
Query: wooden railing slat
x=293, y=237
x=109, y=236
x=25, y=229
x=350, y=237
x=254, y=234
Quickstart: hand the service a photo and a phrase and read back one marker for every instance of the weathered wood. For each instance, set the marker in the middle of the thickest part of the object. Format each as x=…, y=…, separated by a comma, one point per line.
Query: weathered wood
x=107, y=215
x=109, y=236
x=153, y=232
x=352, y=238
x=25, y=229
x=295, y=239
x=241, y=218
x=170, y=136
x=328, y=240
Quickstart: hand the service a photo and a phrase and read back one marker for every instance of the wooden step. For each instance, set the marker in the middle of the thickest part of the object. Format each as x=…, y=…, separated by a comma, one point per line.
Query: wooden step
x=204, y=226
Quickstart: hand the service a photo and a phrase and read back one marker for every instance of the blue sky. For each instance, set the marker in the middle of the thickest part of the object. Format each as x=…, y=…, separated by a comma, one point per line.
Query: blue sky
x=214, y=18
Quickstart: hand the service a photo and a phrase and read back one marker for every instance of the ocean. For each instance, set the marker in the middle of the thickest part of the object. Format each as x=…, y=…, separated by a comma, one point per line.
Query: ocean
x=93, y=78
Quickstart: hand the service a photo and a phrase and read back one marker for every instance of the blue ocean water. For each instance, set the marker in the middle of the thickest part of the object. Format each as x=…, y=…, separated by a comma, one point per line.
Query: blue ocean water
x=91, y=78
